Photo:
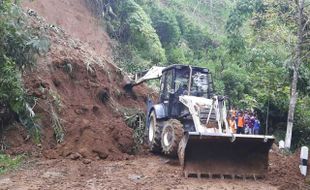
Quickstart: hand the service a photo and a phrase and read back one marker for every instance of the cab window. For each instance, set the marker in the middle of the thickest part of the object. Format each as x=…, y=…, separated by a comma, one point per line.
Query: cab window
x=167, y=85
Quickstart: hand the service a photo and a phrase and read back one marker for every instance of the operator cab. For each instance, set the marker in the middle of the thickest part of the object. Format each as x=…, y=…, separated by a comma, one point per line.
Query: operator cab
x=179, y=80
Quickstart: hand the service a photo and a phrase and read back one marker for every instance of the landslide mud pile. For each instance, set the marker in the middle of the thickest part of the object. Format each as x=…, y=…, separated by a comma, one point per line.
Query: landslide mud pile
x=284, y=171
x=80, y=100
x=76, y=19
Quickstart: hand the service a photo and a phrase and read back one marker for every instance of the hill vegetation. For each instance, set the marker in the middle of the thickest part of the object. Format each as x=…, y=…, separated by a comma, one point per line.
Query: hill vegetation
x=19, y=47
x=250, y=47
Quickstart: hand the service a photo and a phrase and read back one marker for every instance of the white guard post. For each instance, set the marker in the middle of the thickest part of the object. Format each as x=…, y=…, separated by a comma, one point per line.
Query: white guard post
x=304, y=154
x=281, y=144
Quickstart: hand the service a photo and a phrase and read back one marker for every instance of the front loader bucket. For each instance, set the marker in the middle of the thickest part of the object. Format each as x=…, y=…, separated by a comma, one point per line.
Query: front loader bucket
x=224, y=155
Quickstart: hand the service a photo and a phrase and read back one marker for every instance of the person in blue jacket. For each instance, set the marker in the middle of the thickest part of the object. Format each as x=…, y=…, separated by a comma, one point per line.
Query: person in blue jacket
x=256, y=126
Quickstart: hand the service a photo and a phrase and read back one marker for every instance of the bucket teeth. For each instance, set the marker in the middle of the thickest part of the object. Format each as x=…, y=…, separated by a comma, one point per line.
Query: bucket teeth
x=186, y=174
x=199, y=175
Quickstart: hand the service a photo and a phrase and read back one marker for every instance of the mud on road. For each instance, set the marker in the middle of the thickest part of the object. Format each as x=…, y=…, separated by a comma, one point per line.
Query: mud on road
x=142, y=172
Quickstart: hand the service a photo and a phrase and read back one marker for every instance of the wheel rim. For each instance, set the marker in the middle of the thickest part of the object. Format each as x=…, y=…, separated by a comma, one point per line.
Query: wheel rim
x=151, y=131
x=167, y=137
x=166, y=140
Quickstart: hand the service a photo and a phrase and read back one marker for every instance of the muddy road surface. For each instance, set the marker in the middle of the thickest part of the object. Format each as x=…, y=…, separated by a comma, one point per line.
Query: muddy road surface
x=142, y=172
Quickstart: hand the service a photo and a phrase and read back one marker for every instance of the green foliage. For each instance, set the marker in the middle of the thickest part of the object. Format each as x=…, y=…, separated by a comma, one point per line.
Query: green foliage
x=176, y=56
x=166, y=26
x=10, y=86
x=301, y=133
x=136, y=120
x=151, y=33
x=211, y=15
x=8, y=163
x=140, y=32
x=19, y=42
x=261, y=39
x=243, y=10
x=132, y=27
x=19, y=46
x=129, y=58
x=236, y=80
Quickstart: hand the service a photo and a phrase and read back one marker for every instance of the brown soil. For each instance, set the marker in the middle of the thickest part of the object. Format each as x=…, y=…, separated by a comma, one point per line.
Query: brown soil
x=284, y=171
x=74, y=17
x=84, y=91
x=144, y=172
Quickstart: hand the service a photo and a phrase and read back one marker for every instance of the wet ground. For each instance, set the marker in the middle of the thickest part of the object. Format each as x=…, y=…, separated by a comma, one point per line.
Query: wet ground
x=143, y=172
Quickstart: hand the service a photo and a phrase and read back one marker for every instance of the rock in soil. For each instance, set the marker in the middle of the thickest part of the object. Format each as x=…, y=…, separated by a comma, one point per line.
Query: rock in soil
x=75, y=156
x=86, y=161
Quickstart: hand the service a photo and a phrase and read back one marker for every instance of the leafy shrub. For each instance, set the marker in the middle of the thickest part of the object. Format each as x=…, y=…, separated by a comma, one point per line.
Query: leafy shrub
x=7, y=162
x=10, y=86
x=19, y=46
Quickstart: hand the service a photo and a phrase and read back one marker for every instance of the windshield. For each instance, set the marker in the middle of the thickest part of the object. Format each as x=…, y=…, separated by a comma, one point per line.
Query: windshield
x=199, y=83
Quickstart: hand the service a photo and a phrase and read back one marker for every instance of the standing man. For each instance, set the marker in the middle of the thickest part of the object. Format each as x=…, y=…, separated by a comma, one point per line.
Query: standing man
x=246, y=117
x=251, y=123
x=256, y=126
x=240, y=123
x=232, y=124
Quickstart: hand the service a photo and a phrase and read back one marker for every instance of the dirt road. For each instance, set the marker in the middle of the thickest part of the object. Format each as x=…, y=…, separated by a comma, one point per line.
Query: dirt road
x=143, y=172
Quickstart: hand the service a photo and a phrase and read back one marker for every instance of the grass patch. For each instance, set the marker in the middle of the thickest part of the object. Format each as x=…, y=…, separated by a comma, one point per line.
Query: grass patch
x=8, y=162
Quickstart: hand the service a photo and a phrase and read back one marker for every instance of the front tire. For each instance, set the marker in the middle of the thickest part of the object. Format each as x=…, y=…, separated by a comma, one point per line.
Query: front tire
x=171, y=136
x=154, y=134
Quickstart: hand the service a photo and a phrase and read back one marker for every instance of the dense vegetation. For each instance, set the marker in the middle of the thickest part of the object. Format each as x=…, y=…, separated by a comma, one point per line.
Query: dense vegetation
x=19, y=45
x=249, y=45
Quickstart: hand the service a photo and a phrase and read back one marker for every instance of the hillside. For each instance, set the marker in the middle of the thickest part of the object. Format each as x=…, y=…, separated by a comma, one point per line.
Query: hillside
x=74, y=17
x=79, y=97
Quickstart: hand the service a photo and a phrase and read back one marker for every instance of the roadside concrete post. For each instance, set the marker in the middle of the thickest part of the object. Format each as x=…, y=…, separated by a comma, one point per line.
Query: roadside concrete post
x=281, y=144
x=304, y=155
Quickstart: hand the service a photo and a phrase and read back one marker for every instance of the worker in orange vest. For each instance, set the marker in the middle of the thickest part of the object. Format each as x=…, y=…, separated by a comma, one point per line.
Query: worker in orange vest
x=232, y=124
x=240, y=123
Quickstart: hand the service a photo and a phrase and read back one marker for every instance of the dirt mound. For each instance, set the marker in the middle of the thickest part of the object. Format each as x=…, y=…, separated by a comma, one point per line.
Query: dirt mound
x=74, y=17
x=80, y=100
x=284, y=171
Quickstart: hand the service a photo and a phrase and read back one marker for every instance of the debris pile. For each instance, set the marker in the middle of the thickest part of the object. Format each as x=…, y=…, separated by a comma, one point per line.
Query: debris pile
x=79, y=99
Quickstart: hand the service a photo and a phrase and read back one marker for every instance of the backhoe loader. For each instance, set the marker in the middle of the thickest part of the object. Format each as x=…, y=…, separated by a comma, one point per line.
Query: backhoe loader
x=189, y=121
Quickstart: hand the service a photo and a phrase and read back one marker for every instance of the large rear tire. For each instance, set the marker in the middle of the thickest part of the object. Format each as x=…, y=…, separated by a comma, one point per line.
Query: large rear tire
x=154, y=134
x=171, y=136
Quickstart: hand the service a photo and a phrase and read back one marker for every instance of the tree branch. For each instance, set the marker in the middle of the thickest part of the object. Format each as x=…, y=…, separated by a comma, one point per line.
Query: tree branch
x=304, y=27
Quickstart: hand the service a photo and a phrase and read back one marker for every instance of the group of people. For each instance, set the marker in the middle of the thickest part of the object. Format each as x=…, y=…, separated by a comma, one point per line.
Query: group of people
x=243, y=122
